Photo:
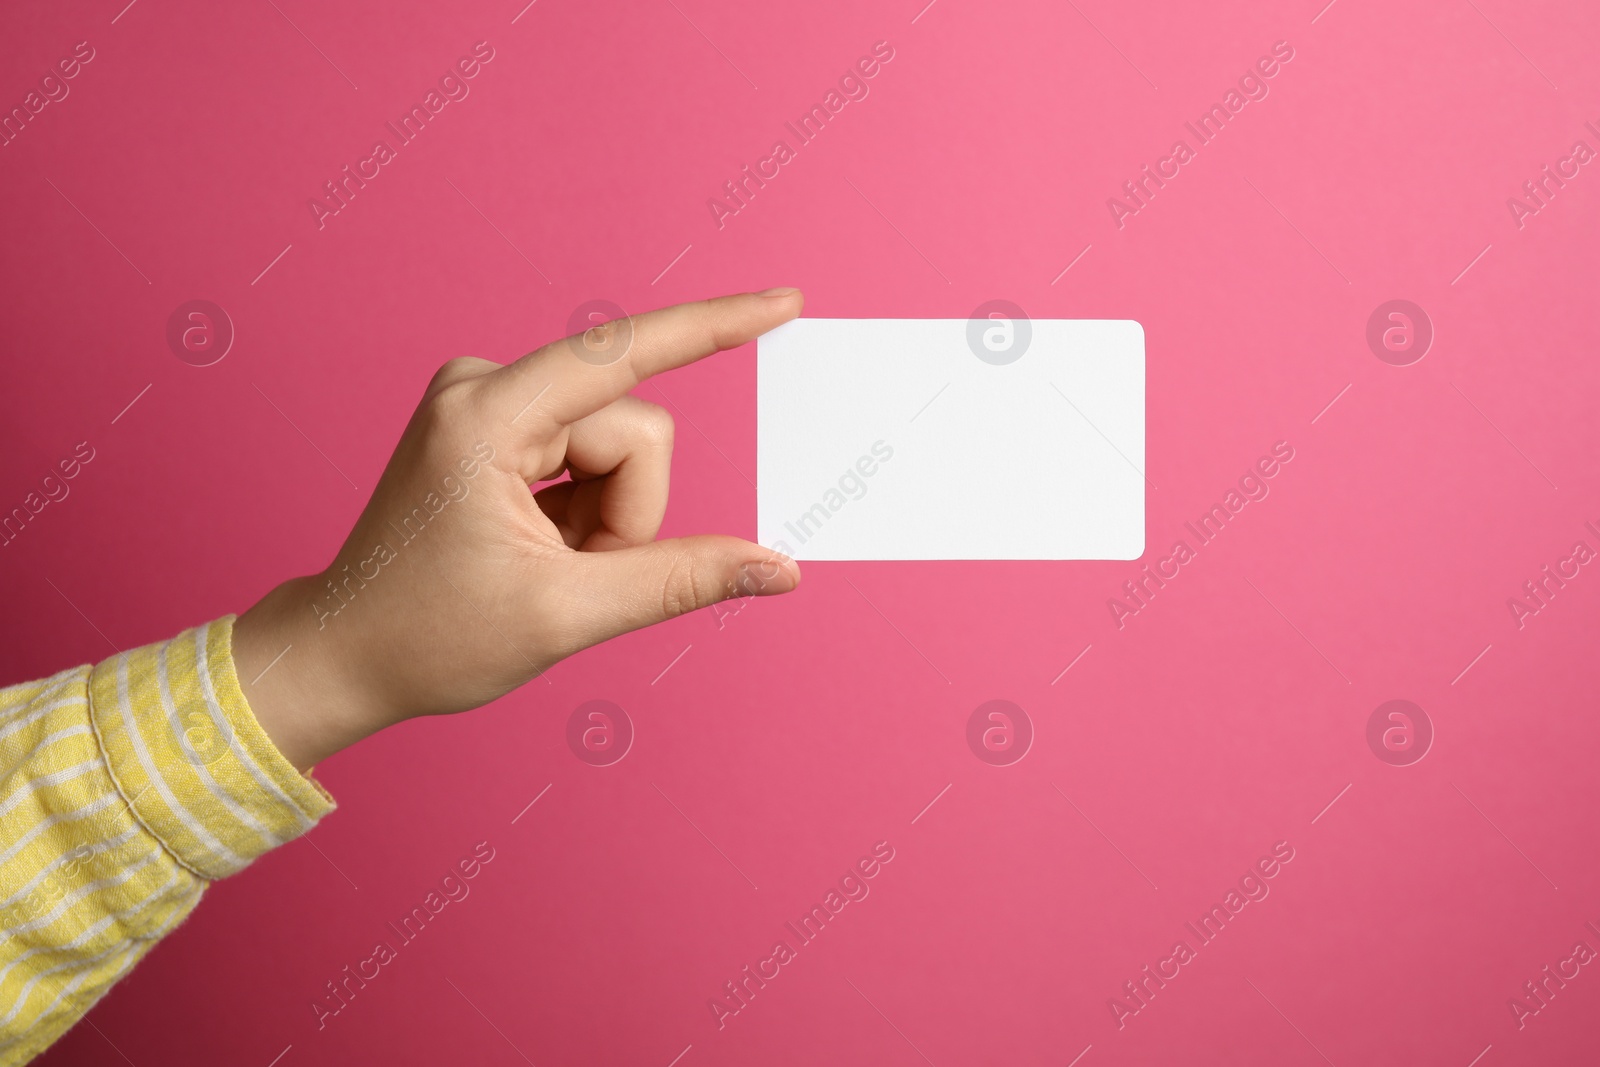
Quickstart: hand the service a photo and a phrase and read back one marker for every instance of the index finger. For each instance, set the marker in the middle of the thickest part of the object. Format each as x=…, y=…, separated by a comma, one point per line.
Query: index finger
x=569, y=379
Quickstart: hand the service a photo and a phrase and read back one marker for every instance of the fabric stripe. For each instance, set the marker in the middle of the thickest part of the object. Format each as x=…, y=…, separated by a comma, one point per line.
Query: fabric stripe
x=41, y=974
x=51, y=821
x=45, y=872
x=78, y=894
x=76, y=730
x=197, y=764
x=61, y=777
x=99, y=925
x=17, y=699
x=125, y=788
x=157, y=780
x=14, y=725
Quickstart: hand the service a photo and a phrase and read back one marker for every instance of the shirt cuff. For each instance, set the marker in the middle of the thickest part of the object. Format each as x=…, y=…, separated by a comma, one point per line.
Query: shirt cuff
x=188, y=755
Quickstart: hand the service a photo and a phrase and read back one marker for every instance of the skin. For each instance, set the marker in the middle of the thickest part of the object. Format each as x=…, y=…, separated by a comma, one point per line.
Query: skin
x=502, y=583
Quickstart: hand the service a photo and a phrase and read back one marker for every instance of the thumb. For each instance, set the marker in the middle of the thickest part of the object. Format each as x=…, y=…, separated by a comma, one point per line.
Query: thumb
x=630, y=588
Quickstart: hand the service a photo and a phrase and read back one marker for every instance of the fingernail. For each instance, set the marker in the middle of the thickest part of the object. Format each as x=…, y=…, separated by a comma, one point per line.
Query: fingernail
x=769, y=577
x=779, y=292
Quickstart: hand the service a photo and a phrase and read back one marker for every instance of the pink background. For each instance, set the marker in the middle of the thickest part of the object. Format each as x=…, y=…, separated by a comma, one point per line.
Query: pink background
x=1220, y=720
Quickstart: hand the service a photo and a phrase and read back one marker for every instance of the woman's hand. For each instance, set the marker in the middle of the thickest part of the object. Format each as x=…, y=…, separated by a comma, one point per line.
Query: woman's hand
x=457, y=584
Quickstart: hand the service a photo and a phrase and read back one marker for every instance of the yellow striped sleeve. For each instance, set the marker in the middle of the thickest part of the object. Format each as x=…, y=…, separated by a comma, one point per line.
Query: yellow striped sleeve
x=124, y=789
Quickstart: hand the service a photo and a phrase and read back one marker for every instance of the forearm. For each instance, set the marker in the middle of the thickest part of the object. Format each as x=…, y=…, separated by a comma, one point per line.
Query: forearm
x=124, y=790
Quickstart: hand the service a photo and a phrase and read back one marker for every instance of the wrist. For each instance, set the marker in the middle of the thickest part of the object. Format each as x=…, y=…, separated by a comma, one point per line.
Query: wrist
x=295, y=679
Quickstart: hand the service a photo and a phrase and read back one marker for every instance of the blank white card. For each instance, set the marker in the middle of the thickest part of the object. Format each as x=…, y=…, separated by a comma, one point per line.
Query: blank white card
x=985, y=438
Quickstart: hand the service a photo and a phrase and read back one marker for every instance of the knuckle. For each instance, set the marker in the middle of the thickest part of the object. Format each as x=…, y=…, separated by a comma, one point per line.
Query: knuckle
x=657, y=425
x=451, y=405
x=448, y=399
x=452, y=371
